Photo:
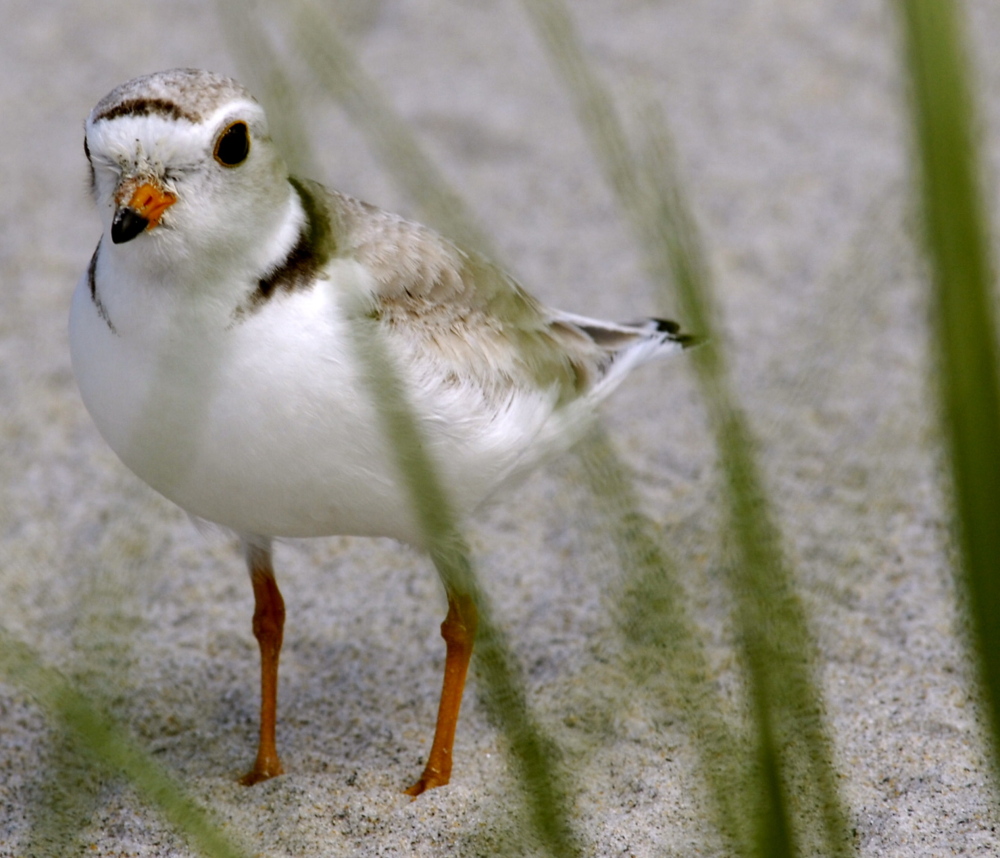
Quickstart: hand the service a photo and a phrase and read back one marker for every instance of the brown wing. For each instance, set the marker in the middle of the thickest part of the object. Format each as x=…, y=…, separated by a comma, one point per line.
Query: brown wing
x=457, y=307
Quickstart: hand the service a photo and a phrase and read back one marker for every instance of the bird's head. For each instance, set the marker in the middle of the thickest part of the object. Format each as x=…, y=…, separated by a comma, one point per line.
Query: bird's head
x=181, y=160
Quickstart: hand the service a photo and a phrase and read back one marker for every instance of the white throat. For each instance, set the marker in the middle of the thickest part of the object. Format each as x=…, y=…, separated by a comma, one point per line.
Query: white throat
x=162, y=276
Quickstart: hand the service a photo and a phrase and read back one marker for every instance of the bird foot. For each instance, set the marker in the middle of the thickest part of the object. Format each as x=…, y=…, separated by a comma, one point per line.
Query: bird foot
x=428, y=780
x=262, y=771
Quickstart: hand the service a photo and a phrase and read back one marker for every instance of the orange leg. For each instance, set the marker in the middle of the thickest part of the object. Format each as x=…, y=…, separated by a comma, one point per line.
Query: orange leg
x=459, y=633
x=268, y=627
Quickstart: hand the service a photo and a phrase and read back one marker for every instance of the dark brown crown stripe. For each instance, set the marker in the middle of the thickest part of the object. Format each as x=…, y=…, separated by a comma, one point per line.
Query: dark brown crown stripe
x=94, y=296
x=298, y=270
x=147, y=107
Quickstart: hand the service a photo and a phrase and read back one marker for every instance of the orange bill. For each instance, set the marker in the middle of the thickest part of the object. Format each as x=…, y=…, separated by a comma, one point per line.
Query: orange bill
x=150, y=201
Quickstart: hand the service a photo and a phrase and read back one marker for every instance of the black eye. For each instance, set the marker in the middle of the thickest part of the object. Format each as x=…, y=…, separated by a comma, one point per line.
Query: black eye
x=233, y=145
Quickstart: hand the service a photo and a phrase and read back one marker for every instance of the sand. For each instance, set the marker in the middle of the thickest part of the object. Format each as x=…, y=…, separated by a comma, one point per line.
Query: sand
x=789, y=124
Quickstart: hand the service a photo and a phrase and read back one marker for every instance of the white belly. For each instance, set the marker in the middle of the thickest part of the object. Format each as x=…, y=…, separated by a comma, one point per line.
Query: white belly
x=265, y=427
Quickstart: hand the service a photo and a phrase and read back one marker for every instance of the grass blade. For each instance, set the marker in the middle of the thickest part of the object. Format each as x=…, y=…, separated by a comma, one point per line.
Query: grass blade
x=956, y=231
x=778, y=649
x=665, y=658
x=400, y=154
x=770, y=619
x=94, y=735
x=533, y=754
x=395, y=144
x=265, y=74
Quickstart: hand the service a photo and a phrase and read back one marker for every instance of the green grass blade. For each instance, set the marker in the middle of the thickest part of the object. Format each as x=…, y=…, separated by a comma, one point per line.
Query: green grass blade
x=956, y=231
x=400, y=154
x=266, y=75
x=533, y=754
x=593, y=104
x=93, y=734
x=778, y=650
x=335, y=67
x=665, y=657
x=776, y=645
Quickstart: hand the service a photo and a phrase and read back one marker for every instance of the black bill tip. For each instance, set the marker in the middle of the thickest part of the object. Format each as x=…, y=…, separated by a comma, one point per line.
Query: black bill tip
x=128, y=223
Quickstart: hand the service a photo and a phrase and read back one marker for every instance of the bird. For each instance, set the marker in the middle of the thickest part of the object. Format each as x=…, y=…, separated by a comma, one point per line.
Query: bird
x=213, y=338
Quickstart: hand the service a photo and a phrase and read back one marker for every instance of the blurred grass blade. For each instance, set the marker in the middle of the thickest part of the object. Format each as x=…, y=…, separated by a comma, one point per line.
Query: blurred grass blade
x=334, y=65
x=956, y=232
x=778, y=648
x=793, y=751
x=93, y=734
x=264, y=73
x=400, y=154
x=533, y=754
x=70, y=794
x=592, y=102
x=665, y=657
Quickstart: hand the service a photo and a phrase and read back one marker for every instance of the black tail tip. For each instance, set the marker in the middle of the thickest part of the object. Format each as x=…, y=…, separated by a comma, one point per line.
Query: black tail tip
x=673, y=333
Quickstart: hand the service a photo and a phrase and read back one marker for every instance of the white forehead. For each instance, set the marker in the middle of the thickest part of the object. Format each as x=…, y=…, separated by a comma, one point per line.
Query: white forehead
x=171, y=115
x=167, y=138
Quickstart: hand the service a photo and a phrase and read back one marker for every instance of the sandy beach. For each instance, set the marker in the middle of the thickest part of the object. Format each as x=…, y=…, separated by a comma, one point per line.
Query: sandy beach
x=791, y=132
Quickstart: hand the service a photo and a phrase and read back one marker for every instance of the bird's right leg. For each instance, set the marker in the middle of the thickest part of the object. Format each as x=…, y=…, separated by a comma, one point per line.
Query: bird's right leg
x=268, y=628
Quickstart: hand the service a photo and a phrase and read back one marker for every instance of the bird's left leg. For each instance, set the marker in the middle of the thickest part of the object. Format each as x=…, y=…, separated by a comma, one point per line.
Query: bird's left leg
x=459, y=633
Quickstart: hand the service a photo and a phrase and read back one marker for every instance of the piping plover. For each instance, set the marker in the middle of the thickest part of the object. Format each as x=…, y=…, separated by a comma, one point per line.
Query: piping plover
x=211, y=338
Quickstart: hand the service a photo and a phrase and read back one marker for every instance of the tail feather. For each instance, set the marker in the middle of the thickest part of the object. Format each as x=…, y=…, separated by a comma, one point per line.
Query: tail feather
x=624, y=346
x=614, y=336
x=671, y=330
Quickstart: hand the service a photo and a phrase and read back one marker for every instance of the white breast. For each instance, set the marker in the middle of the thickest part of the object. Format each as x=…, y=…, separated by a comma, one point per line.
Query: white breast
x=265, y=426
